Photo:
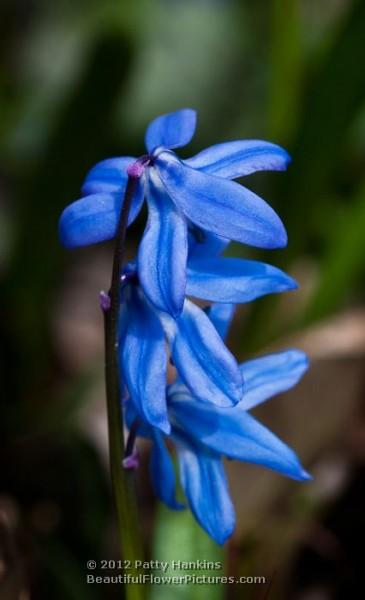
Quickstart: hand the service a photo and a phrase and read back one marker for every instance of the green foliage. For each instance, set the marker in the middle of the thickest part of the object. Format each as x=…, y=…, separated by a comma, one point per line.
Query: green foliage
x=342, y=267
x=179, y=538
x=286, y=65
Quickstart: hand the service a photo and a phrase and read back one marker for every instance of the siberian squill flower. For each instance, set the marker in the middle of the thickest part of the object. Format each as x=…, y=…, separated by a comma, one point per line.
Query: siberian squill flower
x=205, y=364
x=181, y=195
x=203, y=434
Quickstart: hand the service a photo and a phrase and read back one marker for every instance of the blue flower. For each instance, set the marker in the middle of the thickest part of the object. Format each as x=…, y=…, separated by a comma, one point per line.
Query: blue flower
x=197, y=350
x=205, y=433
x=181, y=195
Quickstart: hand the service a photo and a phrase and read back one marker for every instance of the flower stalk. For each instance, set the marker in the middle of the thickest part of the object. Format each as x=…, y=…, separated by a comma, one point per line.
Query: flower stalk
x=123, y=485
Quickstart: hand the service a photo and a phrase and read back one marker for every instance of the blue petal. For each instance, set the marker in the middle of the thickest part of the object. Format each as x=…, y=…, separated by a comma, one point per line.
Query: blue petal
x=239, y=158
x=205, y=485
x=131, y=414
x=162, y=473
x=235, y=434
x=173, y=130
x=220, y=206
x=235, y=280
x=202, y=360
x=163, y=252
x=142, y=359
x=109, y=175
x=95, y=218
x=221, y=316
x=178, y=390
x=270, y=375
x=203, y=244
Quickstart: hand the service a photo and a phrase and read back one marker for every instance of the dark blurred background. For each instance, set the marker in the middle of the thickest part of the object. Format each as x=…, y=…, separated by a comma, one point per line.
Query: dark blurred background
x=79, y=81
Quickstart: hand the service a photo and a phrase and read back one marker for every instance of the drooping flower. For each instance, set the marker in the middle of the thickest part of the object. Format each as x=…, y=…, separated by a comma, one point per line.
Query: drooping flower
x=204, y=363
x=181, y=194
x=205, y=433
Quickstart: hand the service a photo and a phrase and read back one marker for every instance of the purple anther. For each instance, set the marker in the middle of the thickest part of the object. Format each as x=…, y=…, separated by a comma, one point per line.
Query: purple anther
x=136, y=169
x=131, y=461
x=104, y=300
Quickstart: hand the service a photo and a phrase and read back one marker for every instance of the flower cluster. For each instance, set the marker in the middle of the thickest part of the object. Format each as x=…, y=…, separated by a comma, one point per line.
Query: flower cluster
x=194, y=210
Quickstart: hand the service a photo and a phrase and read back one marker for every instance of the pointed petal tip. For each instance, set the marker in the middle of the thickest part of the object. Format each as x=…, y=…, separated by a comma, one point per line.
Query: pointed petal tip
x=165, y=305
x=175, y=312
x=306, y=362
x=160, y=422
x=281, y=237
x=285, y=283
x=172, y=306
x=287, y=160
x=276, y=235
x=291, y=284
x=305, y=476
x=164, y=426
x=222, y=537
x=236, y=399
x=236, y=394
x=284, y=241
x=298, y=473
x=295, y=285
x=191, y=112
x=221, y=533
x=301, y=358
x=304, y=358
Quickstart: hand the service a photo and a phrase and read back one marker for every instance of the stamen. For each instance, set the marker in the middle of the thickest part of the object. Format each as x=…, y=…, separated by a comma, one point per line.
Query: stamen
x=104, y=301
x=136, y=169
x=131, y=460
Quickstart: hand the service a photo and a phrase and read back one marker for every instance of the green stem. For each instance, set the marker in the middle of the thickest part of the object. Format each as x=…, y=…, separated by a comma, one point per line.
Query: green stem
x=122, y=480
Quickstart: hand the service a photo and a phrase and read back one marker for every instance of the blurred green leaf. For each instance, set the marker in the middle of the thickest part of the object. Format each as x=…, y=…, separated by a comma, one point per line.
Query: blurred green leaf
x=342, y=266
x=335, y=96
x=178, y=537
x=286, y=68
